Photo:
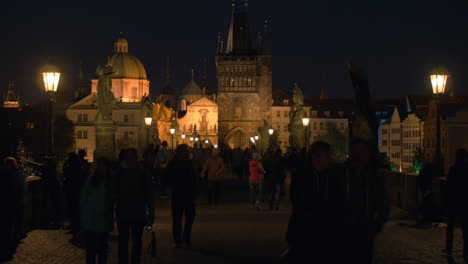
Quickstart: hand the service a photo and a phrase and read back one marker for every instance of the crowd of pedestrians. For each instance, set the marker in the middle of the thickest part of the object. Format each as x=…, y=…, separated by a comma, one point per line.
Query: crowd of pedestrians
x=335, y=207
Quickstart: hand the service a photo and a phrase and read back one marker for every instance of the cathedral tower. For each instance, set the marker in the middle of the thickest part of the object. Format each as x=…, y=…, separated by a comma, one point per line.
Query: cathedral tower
x=244, y=81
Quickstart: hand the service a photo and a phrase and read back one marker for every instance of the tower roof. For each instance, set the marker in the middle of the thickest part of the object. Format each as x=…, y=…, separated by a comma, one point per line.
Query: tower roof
x=239, y=38
x=192, y=88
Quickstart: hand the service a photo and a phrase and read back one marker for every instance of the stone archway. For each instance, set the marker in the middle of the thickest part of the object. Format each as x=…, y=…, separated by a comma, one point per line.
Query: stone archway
x=236, y=138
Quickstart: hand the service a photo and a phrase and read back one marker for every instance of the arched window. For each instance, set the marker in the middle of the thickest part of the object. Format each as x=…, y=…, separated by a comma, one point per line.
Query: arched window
x=183, y=105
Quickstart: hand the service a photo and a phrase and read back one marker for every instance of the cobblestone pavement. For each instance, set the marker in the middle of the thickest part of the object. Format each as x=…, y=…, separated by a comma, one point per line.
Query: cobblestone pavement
x=235, y=233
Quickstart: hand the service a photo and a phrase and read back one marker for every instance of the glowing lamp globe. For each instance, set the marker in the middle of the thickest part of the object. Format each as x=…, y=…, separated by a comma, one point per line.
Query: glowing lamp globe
x=439, y=80
x=215, y=146
x=196, y=139
x=271, y=131
x=51, y=78
x=183, y=136
x=256, y=137
x=172, y=130
x=148, y=120
x=305, y=121
x=191, y=138
x=206, y=141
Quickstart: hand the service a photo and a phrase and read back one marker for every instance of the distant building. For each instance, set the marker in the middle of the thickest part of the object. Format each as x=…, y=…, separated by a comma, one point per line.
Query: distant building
x=10, y=99
x=129, y=85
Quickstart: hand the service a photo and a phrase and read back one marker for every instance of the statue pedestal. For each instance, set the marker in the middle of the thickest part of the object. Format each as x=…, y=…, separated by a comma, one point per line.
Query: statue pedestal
x=105, y=140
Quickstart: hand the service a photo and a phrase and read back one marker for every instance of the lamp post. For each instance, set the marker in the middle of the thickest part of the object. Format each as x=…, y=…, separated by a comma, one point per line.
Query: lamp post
x=191, y=141
x=438, y=80
x=270, y=132
x=183, y=138
x=172, y=130
x=148, y=123
x=305, y=123
x=51, y=77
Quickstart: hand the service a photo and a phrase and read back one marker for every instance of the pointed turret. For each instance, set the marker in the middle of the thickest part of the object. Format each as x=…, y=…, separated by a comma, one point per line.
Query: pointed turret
x=265, y=46
x=239, y=39
x=10, y=100
x=121, y=44
x=323, y=94
x=204, y=80
x=80, y=91
x=167, y=87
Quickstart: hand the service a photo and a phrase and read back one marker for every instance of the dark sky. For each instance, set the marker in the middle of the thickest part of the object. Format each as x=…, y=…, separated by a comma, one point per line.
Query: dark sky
x=397, y=41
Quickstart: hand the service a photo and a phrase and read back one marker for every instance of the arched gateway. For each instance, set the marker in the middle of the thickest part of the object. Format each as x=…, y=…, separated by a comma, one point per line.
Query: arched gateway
x=236, y=138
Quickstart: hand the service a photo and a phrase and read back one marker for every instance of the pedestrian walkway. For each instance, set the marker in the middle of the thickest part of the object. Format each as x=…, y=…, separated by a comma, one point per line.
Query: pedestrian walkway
x=236, y=234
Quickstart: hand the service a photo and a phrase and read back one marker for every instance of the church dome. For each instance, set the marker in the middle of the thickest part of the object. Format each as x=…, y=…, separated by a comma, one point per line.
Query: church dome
x=125, y=66
x=192, y=88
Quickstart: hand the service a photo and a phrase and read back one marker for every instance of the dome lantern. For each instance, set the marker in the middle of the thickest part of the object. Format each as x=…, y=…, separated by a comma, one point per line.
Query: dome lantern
x=121, y=45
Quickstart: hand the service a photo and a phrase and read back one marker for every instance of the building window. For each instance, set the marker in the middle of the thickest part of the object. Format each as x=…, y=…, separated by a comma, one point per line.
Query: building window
x=396, y=142
x=285, y=114
x=285, y=128
x=278, y=113
x=85, y=134
x=286, y=102
x=29, y=125
x=321, y=125
x=134, y=93
x=395, y=131
x=125, y=118
x=80, y=117
x=342, y=125
x=85, y=117
x=128, y=135
x=395, y=155
x=79, y=134
x=384, y=142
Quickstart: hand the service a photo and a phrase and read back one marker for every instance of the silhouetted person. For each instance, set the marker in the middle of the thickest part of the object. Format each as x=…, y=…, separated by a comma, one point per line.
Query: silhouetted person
x=317, y=208
x=457, y=200
x=163, y=161
x=133, y=191
x=256, y=177
x=51, y=189
x=96, y=212
x=73, y=181
x=12, y=198
x=276, y=168
x=213, y=171
x=183, y=182
x=366, y=203
x=426, y=195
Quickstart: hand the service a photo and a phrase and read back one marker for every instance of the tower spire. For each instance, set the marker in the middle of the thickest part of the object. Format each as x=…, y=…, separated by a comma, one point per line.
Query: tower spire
x=204, y=80
x=239, y=39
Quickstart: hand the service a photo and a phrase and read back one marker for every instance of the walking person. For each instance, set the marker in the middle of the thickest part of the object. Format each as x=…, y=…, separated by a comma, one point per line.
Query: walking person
x=183, y=182
x=317, y=208
x=51, y=190
x=366, y=203
x=96, y=212
x=12, y=201
x=73, y=182
x=256, y=176
x=426, y=196
x=163, y=161
x=276, y=170
x=134, y=202
x=213, y=171
x=457, y=200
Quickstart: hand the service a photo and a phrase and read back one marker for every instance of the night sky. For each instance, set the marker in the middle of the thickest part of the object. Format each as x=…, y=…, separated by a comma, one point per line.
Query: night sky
x=397, y=42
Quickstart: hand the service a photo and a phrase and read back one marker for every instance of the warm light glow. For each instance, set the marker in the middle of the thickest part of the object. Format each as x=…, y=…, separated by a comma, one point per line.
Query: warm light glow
x=196, y=139
x=51, y=81
x=191, y=138
x=256, y=137
x=207, y=141
x=271, y=131
x=252, y=139
x=183, y=136
x=148, y=120
x=305, y=121
x=215, y=146
x=438, y=83
x=172, y=130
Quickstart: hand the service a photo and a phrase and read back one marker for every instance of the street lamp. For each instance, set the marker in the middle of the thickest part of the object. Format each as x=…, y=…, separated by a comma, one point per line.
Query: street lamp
x=256, y=138
x=305, y=123
x=215, y=146
x=172, y=130
x=51, y=78
x=148, y=122
x=183, y=138
x=438, y=80
x=271, y=131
